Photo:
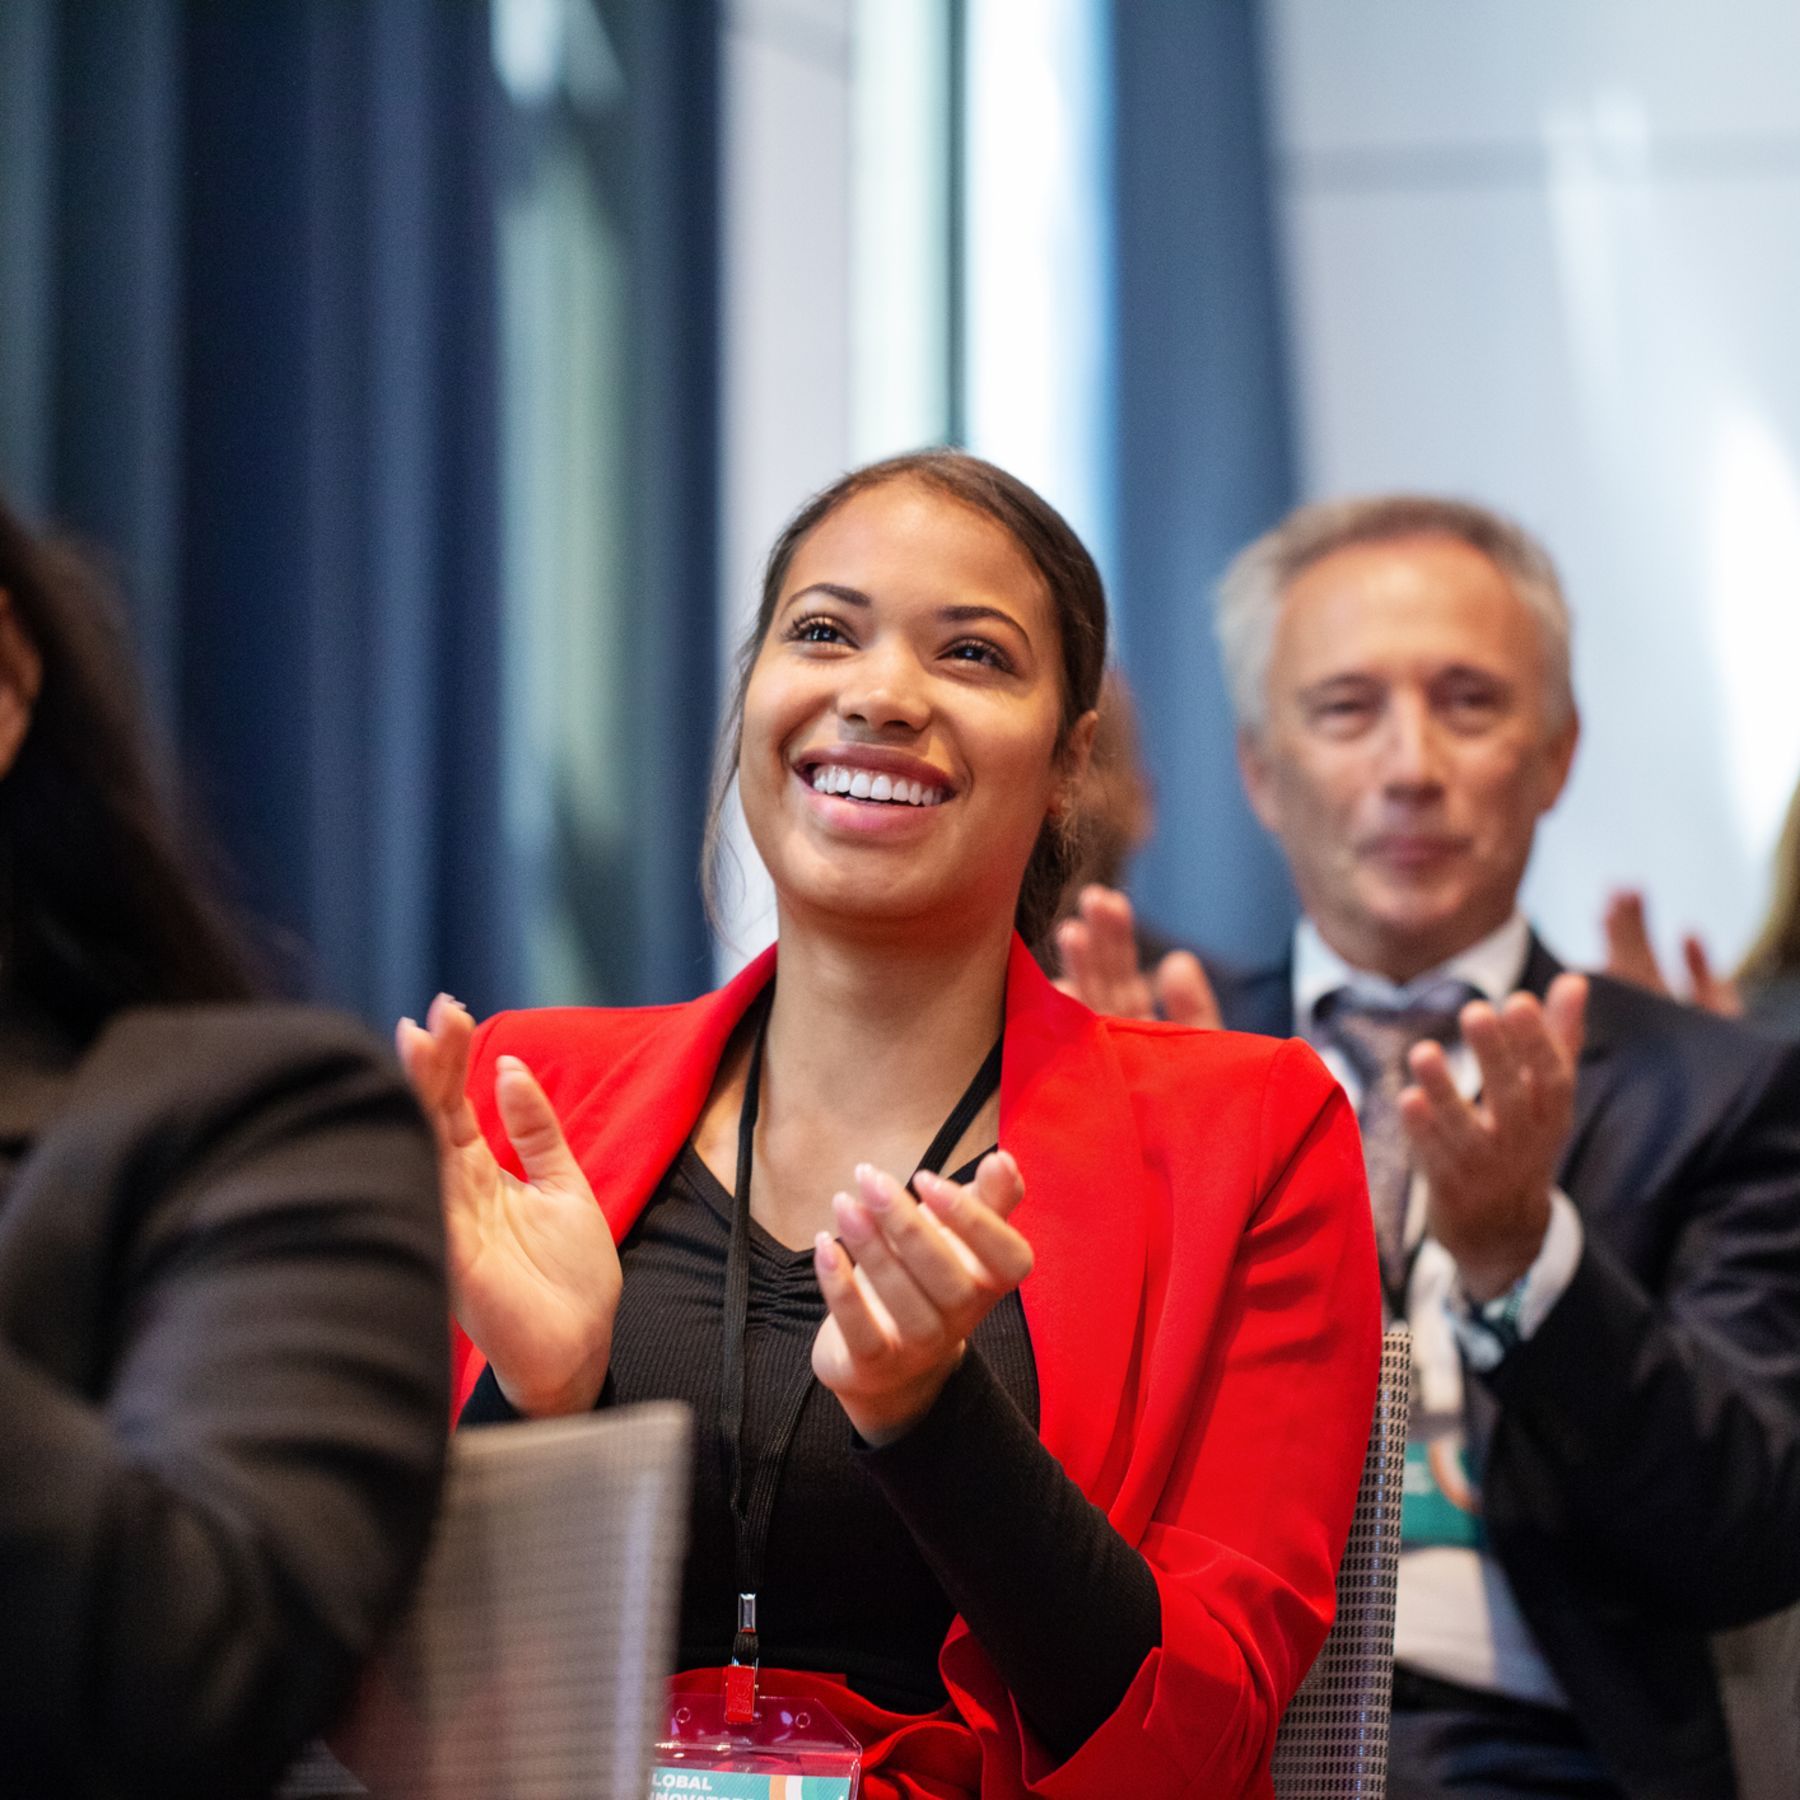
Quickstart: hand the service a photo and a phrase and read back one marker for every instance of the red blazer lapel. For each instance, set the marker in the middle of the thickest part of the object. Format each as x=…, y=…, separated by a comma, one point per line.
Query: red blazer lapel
x=628, y=1086
x=1067, y=1118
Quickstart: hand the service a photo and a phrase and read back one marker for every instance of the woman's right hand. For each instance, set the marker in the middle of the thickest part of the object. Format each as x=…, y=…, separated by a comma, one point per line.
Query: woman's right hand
x=534, y=1272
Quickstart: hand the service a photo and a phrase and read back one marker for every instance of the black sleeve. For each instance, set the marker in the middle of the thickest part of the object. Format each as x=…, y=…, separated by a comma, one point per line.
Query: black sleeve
x=223, y=1399
x=486, y=1404
x=1065, y=1607
x=1681, y=1426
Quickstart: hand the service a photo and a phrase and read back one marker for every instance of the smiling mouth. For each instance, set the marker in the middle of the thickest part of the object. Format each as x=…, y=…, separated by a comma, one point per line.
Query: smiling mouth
x=876, y=788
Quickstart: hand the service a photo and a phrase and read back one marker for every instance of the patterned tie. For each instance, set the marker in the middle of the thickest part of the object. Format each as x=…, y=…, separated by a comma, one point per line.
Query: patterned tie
x=1375, y=1041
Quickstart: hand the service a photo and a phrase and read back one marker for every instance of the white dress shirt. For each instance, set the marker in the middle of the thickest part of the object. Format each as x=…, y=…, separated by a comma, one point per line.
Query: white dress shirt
x=1457, y=1616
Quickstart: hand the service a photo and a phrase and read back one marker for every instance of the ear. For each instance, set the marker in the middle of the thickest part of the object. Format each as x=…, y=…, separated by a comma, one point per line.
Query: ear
x=1076, y=754
x=1559, y=759
x=21, y=675
x=1259, y=779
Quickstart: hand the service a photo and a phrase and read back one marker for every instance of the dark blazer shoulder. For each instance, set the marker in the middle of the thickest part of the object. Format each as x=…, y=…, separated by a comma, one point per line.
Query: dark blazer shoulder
x=1691, y=1059
x=1254, y=999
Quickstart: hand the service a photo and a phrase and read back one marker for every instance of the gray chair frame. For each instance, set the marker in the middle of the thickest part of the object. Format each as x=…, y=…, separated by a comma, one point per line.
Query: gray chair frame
x=1333, y=1742
x=533, y=1662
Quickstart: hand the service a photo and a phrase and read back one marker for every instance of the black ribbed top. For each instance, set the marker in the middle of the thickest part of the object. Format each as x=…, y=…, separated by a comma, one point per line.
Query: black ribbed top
x=871, y=1553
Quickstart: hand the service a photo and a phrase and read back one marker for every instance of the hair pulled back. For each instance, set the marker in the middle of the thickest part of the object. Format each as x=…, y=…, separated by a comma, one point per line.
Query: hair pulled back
x=1077, y=602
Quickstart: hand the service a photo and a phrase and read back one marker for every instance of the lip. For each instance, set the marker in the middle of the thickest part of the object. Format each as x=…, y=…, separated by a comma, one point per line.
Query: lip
x=1414, y=849
x=878, y=761
x=843, y=817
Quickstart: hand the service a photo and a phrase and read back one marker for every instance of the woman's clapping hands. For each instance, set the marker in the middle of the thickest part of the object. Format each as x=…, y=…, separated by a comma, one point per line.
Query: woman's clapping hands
x=534, y=1274
x=906, y=1282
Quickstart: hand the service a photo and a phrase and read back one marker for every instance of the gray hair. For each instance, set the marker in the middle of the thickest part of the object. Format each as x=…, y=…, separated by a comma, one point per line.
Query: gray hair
x=1251, y=593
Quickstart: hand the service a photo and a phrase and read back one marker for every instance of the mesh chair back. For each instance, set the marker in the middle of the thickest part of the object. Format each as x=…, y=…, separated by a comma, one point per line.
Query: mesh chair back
x=1333, y=1742
x=533, y=1662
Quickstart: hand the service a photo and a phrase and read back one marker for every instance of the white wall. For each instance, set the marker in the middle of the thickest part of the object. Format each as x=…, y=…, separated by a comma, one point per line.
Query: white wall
x=836, y=287
x=1548, y=256
x=786, y=429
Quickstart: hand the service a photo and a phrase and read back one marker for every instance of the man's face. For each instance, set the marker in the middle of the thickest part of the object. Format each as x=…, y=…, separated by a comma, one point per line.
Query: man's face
x=1408, y=749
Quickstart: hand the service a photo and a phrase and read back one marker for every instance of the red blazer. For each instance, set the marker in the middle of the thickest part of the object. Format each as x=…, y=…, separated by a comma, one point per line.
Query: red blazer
x=1205, y=1319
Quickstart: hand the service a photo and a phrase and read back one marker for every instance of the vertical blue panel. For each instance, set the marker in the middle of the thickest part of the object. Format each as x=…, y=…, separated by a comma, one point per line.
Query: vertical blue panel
x=28, y=189
x=247, y=722
x=674, y=212
x=1205, y=459
x=115, y=403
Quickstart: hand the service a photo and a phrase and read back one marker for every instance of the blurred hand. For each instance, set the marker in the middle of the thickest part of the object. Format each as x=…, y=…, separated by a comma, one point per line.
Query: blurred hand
x=1630, y=957
x=1100, y=967
x=1490, y=1164
x=534, y=1273
x=909, y=1282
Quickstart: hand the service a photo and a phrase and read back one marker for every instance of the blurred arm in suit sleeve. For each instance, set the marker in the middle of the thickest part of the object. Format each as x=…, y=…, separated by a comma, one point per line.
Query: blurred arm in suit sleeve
x=223, y=1397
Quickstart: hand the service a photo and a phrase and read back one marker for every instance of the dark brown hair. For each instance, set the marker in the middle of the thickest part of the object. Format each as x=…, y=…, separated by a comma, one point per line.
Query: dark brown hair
x=99, y=904
x=1077, y=601
x=1776, y=952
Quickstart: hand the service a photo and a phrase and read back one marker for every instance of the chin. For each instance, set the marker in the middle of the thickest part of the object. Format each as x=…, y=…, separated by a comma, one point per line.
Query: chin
x=1420, y=916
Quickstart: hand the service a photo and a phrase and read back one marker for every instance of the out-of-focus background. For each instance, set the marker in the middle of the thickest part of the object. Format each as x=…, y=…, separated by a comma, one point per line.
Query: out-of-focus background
x=432, y=374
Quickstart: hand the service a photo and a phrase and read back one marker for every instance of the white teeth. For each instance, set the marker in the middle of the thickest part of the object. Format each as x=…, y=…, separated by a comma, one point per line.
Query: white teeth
x=859, y=784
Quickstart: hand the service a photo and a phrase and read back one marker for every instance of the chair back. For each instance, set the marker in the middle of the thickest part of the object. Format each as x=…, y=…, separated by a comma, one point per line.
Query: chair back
x=533, y=1662
x=1333, y=1742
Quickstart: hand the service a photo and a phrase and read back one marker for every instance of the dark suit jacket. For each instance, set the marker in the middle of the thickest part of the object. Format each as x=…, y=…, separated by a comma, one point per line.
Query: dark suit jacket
x=223, y=1390
x=1642, y=1475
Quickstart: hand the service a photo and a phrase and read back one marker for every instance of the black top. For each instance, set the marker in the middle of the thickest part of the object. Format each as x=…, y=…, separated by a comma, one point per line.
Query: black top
x=871, y=1553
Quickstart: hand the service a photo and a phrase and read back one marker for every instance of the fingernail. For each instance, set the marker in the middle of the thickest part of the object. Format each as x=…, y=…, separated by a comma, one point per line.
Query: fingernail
x=876, y=1194
x=824, y=1250
x=851, y=1218
x=506, y=1065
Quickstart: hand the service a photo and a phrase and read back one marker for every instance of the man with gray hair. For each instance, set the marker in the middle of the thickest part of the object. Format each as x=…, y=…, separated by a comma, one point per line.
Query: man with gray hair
x=1586, y=1198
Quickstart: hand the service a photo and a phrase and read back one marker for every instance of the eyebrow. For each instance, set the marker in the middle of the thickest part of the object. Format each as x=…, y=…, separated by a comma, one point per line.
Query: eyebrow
x=1357, y=678
x=963, y=614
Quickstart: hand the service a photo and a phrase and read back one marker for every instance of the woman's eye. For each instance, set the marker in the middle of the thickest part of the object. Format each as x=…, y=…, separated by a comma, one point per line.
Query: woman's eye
x=815, y=630
x=981, y=651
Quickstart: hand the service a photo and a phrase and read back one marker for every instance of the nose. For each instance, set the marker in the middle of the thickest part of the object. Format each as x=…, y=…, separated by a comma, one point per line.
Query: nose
x=884, y=689
x=1412, y=754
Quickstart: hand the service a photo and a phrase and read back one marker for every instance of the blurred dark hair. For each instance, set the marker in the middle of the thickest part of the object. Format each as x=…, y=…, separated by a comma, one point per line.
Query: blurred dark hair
x=1077, y=601
x=1776, y=952
x=100, y=907
x=1115, y=808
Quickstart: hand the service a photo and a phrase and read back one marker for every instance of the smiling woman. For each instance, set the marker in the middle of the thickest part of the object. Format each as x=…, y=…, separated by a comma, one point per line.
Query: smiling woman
x=1037, y=1471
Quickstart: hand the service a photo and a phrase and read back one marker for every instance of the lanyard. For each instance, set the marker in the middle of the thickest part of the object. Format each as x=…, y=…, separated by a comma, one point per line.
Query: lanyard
x=753, y=1502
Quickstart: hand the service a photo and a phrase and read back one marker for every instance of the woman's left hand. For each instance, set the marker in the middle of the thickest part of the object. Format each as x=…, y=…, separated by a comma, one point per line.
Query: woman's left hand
x=907, y=1284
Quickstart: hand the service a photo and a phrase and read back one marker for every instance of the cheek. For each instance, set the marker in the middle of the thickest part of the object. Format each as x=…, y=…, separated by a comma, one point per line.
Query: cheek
x=1321, y=789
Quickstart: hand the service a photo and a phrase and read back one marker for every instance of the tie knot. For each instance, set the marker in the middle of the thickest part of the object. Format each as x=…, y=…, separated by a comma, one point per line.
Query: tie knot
x=1377, y=1038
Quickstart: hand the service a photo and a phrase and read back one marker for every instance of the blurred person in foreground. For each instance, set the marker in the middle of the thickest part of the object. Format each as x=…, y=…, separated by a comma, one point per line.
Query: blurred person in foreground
x=1586, y=1197
x=1040, y=1478
x=222, y=1364
x=1765, y=990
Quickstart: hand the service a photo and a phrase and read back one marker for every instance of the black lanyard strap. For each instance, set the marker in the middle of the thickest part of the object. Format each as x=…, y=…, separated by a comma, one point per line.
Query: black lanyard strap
x=753, y=1511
